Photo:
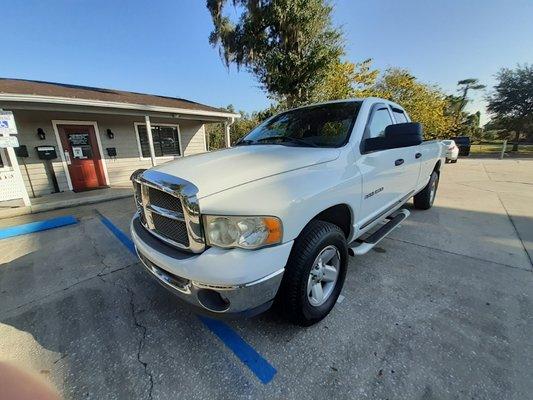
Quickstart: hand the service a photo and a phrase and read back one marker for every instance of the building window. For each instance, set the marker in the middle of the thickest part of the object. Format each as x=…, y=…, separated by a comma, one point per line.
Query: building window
x=166, y=140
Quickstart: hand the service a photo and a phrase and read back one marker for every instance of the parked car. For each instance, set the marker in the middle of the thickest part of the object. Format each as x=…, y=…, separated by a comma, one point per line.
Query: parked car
x=452, y=151
x=463, y=142
x=273, y=219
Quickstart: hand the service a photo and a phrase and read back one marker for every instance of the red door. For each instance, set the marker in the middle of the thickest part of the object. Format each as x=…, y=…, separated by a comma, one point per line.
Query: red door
x=83, y=157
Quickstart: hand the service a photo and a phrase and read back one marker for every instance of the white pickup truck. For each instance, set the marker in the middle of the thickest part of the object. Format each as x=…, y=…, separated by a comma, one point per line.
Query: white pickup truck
x=273, y=219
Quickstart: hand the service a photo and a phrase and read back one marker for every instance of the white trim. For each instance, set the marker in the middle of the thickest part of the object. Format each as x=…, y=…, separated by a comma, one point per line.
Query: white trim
x=182, y=150
x=139, y=148
x=111, y=104
x=149, y=135
x=94, y=124
x=205, y=139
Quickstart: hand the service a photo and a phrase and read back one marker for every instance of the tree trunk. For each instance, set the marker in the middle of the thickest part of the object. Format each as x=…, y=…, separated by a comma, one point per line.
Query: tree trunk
x=517, y=139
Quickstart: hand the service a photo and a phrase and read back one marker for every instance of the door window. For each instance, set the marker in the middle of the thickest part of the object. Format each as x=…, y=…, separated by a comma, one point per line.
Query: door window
x=81, y=146
x=380, y=119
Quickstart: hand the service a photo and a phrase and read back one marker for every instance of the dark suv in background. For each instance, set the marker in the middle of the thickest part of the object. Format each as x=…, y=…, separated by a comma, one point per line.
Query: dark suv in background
x=463, y=142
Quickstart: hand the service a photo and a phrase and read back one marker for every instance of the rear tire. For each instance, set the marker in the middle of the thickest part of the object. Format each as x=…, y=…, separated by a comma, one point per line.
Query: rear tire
x=309, y=265
x=424, y=199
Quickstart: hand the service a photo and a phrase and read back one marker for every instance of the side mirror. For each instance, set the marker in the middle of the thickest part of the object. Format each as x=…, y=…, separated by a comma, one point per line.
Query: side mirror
x=396, y=136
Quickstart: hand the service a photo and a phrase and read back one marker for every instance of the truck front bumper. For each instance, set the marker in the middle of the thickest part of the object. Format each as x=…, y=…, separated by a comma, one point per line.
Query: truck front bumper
x=232, y=283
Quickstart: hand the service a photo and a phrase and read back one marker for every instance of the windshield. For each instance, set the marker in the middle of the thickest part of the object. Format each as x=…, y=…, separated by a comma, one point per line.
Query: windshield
x=325, y=125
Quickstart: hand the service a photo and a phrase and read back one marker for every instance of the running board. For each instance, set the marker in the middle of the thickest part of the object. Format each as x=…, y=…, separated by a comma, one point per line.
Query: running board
x=360, y=247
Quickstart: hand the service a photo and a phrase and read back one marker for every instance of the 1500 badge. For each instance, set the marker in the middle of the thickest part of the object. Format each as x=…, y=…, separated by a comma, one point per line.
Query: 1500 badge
x=373, y=193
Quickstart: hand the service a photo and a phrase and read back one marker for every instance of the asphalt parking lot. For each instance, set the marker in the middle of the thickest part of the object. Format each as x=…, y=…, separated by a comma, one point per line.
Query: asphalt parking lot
x=442, y=309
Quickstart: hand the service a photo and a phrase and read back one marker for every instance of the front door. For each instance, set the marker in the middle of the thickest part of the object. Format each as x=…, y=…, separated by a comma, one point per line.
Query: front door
x=388, y=175
x=83, y=157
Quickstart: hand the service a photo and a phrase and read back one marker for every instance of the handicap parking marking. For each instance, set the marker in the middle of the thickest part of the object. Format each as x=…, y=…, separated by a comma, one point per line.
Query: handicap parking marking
x=262, y=369
x=37, y=226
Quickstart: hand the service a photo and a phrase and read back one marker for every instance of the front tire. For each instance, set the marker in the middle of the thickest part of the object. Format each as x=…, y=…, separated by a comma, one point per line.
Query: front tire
x=424, y=199
x=314, y=274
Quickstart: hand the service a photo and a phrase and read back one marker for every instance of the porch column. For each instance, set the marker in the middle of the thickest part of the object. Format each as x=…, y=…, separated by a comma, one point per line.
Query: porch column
x=18, y=175
x=227, y=133
x=18, y=180
x=150, y=139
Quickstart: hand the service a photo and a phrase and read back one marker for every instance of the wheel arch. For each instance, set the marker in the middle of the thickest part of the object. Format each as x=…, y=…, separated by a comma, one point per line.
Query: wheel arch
x=437, y=167
x=340, y=215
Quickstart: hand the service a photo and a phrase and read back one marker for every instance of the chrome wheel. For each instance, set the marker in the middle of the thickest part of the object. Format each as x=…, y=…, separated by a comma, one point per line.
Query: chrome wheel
x=323, y=276
x=433, y=190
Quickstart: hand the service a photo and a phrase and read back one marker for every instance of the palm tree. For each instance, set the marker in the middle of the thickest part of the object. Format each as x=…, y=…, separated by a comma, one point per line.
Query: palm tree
x=464, y=86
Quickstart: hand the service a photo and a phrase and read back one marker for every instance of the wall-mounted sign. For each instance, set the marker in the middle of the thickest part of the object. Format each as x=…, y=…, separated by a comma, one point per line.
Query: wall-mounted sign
x=8, y=141
x=7, y=123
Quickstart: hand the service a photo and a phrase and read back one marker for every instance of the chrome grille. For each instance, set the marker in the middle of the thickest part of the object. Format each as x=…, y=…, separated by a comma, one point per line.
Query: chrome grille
x=164, y=200
x=168, y=208
x=170, y=228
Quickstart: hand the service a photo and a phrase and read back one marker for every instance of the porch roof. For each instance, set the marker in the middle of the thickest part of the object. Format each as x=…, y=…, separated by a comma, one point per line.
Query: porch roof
x=60, y=94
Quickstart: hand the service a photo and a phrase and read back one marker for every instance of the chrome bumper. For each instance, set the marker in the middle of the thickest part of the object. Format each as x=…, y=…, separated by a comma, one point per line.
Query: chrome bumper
x=233, y=301
x=240, y=300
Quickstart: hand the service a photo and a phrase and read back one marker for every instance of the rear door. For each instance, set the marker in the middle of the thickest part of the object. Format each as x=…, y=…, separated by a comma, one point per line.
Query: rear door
x=388, y=175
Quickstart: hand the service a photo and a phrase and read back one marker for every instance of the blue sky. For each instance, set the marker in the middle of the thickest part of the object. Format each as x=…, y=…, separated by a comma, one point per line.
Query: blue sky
x=162, y=47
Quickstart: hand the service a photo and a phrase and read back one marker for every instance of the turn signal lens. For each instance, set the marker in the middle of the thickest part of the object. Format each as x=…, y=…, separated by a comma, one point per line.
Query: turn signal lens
x=274, y=230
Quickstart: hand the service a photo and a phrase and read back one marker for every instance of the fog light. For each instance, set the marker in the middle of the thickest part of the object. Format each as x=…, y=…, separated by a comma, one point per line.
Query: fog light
x=212, y=300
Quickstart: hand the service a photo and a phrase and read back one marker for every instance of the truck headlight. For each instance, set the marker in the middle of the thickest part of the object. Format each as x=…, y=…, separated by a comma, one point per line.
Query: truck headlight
x=244, y=232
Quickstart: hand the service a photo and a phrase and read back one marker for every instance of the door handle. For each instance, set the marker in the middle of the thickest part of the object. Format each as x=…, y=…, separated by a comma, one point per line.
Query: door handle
x=399, y=161
x=418, y=155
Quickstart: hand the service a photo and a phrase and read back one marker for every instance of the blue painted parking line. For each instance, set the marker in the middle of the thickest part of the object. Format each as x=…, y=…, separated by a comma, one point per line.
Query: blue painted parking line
x=125, y=240
x=246, y=353
x=264, y=371
x=37, y=226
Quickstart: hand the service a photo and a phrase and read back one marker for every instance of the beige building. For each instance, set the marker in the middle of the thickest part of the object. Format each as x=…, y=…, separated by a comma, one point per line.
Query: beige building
x=75, y=138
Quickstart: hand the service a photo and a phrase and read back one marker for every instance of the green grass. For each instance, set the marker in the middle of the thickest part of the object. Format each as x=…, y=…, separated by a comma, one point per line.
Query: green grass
x=497, y=147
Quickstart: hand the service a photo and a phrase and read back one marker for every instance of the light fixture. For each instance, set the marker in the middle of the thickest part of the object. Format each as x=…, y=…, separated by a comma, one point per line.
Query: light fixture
x=110, y=134
x=41, y=133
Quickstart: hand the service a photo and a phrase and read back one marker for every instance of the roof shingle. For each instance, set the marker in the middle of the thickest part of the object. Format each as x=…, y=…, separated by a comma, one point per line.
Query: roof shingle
x=40, y=88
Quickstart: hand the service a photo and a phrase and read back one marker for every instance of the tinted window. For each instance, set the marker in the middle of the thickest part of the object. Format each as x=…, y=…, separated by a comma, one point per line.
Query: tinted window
x=380, y=120
x=325, y=125
x=166, y=140
x=399, y=116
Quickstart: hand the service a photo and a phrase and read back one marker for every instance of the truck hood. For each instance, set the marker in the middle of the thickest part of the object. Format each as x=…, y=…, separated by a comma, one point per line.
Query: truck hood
x=220, y=170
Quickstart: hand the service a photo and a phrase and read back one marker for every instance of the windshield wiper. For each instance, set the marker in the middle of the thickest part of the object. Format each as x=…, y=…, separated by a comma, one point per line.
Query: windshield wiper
x=244, y=142
x=286, y=139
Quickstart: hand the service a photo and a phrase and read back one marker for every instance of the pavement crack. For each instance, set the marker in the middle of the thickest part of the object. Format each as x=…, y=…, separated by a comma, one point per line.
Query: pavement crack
x=143, y=329
x=60, y=358
x=94, y=245
x=46, y=295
